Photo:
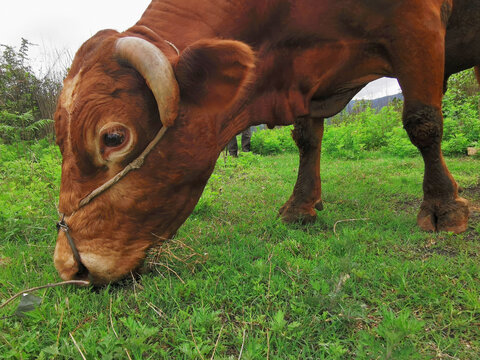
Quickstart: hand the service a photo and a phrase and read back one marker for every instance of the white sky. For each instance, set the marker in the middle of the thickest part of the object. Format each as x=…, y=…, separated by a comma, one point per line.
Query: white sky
x=59, y=26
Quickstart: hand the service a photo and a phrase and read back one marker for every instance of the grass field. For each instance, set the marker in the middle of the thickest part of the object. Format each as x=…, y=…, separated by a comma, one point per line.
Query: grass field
x=238, y=283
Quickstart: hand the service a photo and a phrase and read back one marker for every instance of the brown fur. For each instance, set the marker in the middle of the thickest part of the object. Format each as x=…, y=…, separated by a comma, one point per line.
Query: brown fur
x=241, y=63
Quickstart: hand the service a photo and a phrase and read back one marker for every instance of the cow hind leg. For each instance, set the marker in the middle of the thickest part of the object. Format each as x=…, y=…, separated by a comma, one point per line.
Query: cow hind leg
x=418, y=57
x=306, y=196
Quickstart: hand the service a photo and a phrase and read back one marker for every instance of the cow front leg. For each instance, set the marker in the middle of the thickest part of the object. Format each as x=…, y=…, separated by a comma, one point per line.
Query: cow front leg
x=306, y=197
x=442, y=209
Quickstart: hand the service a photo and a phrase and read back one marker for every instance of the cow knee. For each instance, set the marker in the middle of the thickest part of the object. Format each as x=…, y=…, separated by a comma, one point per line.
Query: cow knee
x=304, y=135
x=424, y=125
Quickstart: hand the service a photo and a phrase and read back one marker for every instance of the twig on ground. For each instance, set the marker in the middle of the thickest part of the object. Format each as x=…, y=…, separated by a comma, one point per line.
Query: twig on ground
x=127, y=353
x=268, y=345
x=60, y=328
x=111, y=320
x=168, y=247
x=270, y=271
x=222, y=220
x=291, y=278
x=78, y=348
x=169, y=269
x=113, y=328
x=343, y=279
x=243, y=344
x=346, y=220
x=156, y=309
x=216, y=344
x=24, y=263
x=73, y=282
x=194, y=341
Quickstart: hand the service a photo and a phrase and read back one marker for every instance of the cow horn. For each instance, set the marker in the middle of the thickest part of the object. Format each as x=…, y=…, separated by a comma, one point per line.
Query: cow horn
x=154, y=66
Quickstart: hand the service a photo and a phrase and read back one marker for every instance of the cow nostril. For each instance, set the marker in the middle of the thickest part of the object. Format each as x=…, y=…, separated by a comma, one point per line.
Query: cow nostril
x=82, y=273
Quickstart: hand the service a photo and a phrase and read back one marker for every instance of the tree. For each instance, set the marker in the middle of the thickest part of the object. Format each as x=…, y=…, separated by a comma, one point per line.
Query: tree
x=17, y=82
x=27, y=101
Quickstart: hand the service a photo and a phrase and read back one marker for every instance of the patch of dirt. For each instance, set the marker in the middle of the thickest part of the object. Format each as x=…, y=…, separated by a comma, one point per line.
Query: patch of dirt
x=427, y=250
x=472, y=192
x=407, y=206
x=4, y=261
x=445, y=251
x=474, y=221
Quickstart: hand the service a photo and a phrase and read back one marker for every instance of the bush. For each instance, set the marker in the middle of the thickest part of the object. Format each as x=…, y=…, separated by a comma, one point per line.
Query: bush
x=461, y=111
x=456, y=145
x=275, y=141
x=399, y=144
x=15, y=127
x=370, y=131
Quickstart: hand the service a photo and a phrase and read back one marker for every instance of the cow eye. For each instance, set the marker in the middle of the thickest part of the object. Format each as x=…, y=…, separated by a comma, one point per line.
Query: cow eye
x=114, y=138
x=115, y=141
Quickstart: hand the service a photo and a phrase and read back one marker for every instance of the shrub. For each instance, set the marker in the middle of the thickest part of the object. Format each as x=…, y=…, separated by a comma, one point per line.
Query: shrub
x=399, y=144
x=370, y=131
x=275, y=141
x=15, y=127
x=461, y=111
x=456, y=145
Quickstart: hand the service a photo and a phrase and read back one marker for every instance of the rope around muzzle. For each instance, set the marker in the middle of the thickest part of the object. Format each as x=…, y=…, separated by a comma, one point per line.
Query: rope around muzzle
x=135, y=164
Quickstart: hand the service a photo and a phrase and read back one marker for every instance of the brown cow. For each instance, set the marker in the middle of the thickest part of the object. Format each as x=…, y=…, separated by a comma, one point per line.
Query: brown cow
x=172, y=90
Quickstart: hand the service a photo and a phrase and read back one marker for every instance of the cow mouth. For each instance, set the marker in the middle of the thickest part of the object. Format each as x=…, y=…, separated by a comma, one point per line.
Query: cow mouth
x=82, y=273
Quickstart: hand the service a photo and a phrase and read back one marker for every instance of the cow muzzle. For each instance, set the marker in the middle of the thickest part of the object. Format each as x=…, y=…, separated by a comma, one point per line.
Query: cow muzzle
x=68, y=261
x=97, y=269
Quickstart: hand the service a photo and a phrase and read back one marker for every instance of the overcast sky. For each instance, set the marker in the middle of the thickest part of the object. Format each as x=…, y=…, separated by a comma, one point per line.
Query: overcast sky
x=63, y=25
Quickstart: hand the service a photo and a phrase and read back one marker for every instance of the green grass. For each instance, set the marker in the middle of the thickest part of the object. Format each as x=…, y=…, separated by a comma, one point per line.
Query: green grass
x=237, y=280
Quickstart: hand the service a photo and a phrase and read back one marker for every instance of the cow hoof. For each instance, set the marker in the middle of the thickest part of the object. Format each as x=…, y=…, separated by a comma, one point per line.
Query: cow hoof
x=441, y=216
x=319, y=205
x=292, y=214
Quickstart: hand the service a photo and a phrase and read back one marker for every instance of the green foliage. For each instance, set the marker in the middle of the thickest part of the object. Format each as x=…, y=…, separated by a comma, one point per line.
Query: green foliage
x=463, y=87
x=21, y=214
x=392, y=338
x=274, y=141
x=461, y=110
x=17, y=81
x=27, y=101
x=399, y=143
x=371, y=130
x=456, y=145
x=15, y=127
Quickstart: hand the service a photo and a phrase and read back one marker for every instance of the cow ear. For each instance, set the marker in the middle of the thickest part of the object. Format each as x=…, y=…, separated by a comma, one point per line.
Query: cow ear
x=213, y=73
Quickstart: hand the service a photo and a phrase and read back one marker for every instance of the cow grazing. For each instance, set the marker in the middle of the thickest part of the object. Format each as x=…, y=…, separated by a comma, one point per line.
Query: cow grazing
x=144, y=114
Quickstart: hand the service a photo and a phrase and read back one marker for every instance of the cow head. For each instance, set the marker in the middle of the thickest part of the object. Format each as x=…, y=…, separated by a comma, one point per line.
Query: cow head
x=120, y=92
